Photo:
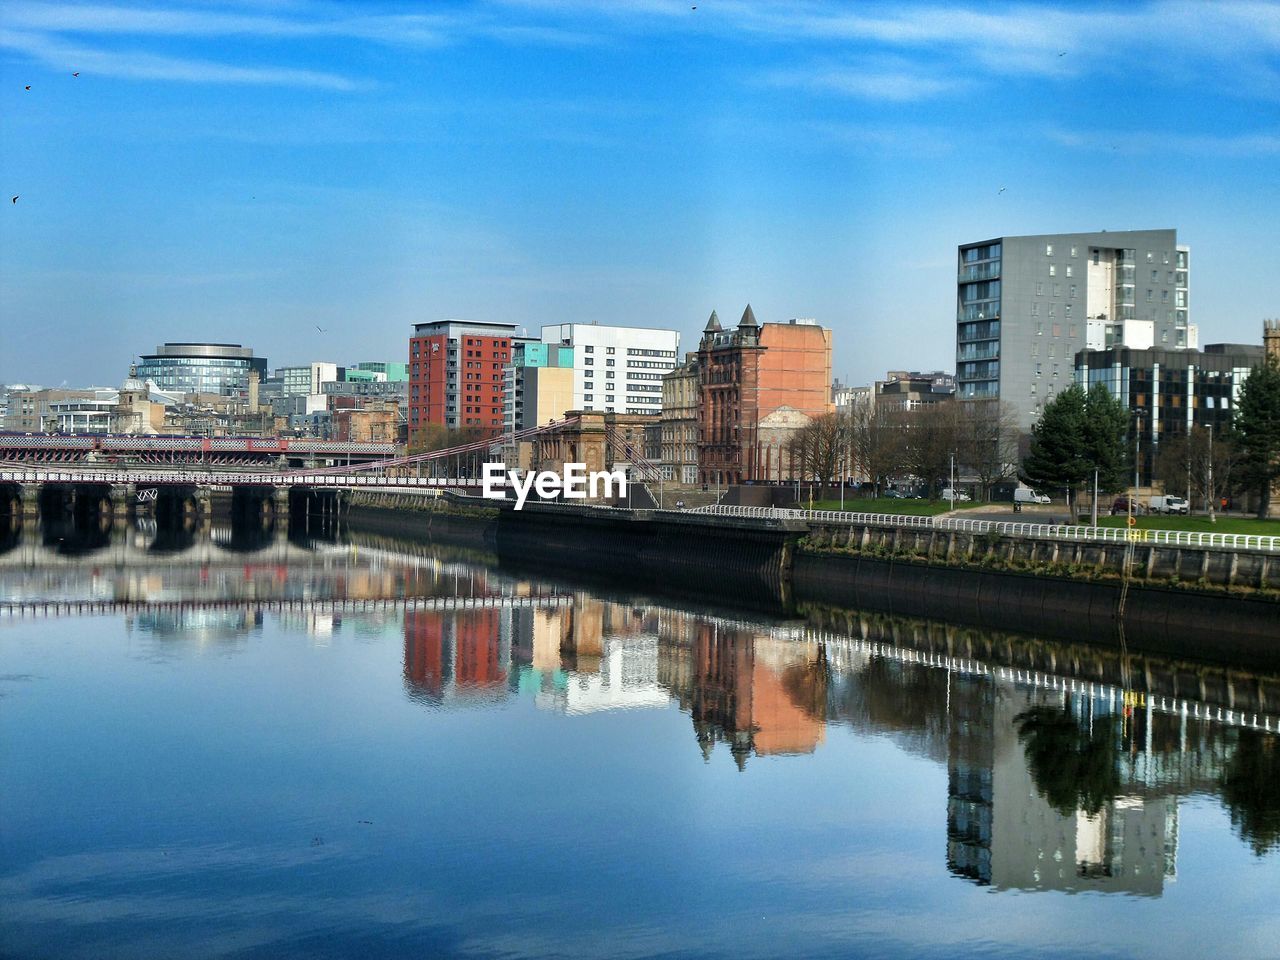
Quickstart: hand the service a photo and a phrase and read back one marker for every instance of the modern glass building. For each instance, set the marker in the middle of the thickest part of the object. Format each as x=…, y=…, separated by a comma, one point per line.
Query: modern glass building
x=1026, y=305
x=221, y=368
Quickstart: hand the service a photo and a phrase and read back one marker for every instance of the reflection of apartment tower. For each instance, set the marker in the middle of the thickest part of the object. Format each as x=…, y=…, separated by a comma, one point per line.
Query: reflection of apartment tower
x=457, y=654
x=969, y=765
x=1001, y=828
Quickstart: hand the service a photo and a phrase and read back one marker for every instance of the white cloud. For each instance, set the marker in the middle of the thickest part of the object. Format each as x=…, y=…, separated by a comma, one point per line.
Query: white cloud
x=148, y=66
x=894, y=85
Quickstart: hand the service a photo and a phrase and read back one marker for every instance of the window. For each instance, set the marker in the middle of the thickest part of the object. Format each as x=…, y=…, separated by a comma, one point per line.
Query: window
x=608, y=349
x=609, y=374
x=588, y=361
x=1039, y=288
x=589, y=385
x=1057, y=289
x=1053, y=269
x=588, y=350
x=1070, y=270
x=1035, y=309
x=1066, y=312
x=1073, y=253
x=1164, y=296
x=1048, y=249
x=587, y=397
x=1072, y=292
x=609, y=362
x=1151, y=256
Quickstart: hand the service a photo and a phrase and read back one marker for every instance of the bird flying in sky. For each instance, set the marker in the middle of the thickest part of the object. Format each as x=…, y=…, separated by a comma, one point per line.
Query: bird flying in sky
x=14, y=198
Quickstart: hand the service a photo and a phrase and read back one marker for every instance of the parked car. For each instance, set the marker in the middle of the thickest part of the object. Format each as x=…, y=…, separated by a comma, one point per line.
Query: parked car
x=1121, y=505
x=892, y=495
x=956, y=496
x=1170, y=505
x=1027, y=495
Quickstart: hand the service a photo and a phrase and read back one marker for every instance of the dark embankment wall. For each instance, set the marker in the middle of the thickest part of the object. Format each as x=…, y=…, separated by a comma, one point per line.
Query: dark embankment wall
x=479, y=532
x=688, y=557
x=1172, y=621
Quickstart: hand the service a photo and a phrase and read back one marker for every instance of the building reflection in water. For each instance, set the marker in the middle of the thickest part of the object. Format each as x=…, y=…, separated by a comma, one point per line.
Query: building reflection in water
x=1051, y=785
x=1065, y=792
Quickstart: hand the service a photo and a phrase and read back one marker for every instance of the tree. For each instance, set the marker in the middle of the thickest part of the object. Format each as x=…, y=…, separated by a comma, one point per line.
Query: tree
x=987, y=441
x=1073, y=763
x=1209, y=470
x=1256, y=431
x=930, y=440
x=1058, y=457
x=875, y=441
x=820, y=447
x=1105, y=428
x=1251, y=790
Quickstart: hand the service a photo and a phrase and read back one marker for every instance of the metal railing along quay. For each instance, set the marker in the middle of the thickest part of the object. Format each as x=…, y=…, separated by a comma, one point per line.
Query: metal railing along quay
x=1042, y=531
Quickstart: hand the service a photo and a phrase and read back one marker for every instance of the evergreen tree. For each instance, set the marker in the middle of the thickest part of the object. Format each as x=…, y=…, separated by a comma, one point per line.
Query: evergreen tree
x=1257, y=431
x=1105, y=429
x=1059, y=454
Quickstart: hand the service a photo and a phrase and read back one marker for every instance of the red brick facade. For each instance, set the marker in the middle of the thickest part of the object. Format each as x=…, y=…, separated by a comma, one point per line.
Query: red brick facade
x=455, y=375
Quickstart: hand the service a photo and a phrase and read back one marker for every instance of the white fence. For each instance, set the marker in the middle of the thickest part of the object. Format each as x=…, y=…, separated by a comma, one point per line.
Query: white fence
x=1042, y=531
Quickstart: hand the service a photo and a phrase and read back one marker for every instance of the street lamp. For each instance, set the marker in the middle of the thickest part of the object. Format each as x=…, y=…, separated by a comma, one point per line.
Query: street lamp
x=1137, y=462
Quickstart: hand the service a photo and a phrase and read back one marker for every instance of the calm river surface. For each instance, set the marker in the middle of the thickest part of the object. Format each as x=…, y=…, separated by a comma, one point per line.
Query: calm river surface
x=250, y=748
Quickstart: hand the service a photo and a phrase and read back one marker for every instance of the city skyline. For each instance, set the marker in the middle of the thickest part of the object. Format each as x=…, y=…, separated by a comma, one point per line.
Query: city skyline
x=311, y=183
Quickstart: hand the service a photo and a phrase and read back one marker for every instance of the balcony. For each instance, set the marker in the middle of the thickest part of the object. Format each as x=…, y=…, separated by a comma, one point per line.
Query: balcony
x=979, y=271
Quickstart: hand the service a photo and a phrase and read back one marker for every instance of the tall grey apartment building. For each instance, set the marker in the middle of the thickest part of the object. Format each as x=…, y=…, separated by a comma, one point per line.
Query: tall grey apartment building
x=1026, y=305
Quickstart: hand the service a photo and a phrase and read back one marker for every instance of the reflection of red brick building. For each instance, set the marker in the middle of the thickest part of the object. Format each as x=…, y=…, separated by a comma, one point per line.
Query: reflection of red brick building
x=455, y=374
x=424, y=652
x=747, y=375
x=454, y=652
x=740, y=699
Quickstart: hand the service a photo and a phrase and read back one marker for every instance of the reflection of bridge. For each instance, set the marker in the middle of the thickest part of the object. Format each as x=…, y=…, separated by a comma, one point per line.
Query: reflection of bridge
x=41, y=609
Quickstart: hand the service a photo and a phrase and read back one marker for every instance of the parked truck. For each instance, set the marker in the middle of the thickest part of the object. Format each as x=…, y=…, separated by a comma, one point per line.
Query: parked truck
x=1027, y=495
x=1169, y=504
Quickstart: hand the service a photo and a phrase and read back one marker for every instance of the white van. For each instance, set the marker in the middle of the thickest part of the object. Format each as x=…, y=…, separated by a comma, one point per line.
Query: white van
x=1169, y=505
x=1027, y=495
x=957, y=496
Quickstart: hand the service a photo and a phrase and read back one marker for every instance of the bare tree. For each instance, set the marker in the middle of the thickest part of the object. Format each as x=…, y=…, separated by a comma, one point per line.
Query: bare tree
x=1205, y=471
x=987, y=441
x=930, y=439
x=820, y=448
x=875, y=442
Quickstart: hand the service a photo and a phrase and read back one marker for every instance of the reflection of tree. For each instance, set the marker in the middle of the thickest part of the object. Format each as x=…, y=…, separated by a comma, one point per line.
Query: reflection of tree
x=1073, y=765
x=1251, y=790
x=807, y=682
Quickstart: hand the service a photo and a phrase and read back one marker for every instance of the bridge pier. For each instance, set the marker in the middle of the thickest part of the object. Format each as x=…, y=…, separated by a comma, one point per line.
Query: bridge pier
x=123, y=496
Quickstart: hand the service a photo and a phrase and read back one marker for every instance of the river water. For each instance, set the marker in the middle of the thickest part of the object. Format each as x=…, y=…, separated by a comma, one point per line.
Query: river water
x=237, y=746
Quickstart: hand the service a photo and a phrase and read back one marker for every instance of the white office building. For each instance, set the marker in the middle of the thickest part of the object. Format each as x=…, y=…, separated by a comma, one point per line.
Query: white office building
x=617, y=369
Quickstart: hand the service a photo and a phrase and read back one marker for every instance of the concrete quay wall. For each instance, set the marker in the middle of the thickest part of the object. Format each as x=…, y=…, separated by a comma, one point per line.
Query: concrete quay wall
x=1139, y=561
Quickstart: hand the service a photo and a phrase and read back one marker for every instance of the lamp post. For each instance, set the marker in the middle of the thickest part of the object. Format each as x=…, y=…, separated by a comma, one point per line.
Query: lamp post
x=1137, y=463
x=1212, y=496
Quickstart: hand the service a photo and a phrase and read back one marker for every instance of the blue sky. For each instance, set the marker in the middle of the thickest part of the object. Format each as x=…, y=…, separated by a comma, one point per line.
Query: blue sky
x=249, y=172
